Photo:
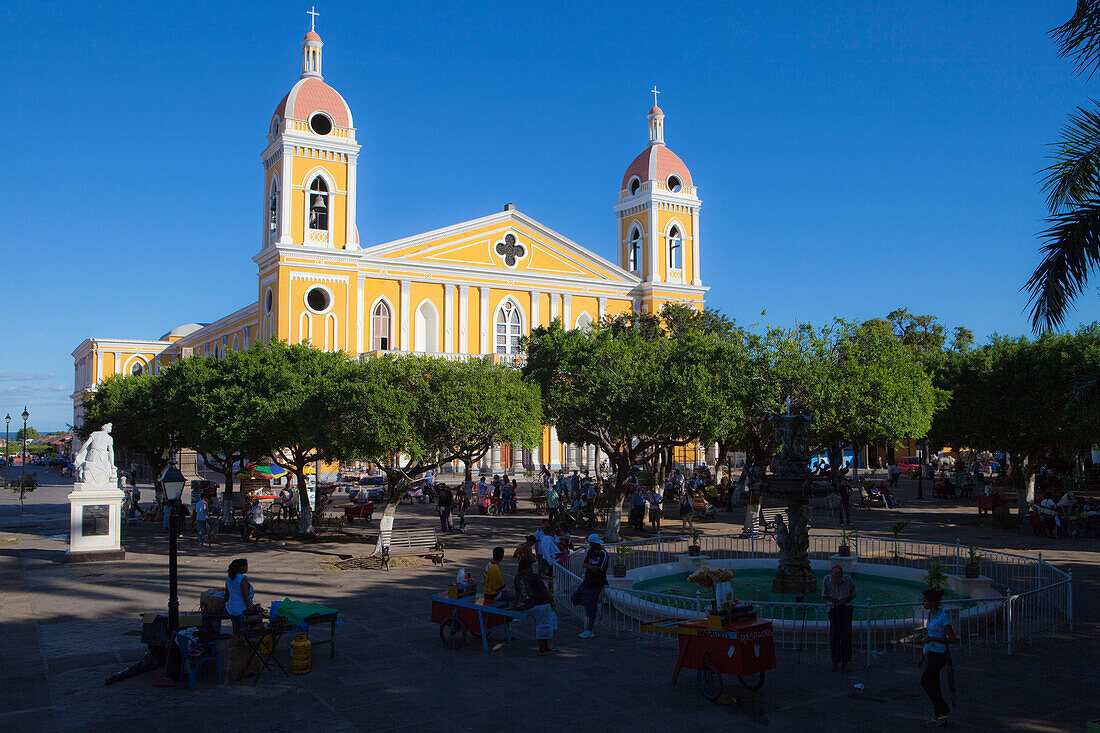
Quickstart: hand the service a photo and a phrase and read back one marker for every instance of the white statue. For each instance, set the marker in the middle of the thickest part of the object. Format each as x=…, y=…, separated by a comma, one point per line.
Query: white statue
x=95, y=463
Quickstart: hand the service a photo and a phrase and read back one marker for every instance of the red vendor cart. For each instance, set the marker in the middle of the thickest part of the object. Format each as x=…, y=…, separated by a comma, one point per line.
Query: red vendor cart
x=743, y=648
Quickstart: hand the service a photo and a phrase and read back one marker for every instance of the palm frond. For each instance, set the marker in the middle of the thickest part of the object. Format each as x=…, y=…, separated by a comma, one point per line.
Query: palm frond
x=1071, y=251
x=1079, y=37
x=1073, y=177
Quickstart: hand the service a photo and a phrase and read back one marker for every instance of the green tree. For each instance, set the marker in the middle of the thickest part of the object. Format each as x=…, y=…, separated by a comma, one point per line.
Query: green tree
x=1023, y=397
x=309, y=406
x=627, y=387
x=1072, y=240
x=30, y=434
x=471, y=405
x=207, y=397
x=138, y=408
x=870, y=388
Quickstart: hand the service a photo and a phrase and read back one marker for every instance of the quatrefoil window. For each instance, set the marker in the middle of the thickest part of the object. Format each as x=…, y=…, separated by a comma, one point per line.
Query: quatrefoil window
x=510, y=250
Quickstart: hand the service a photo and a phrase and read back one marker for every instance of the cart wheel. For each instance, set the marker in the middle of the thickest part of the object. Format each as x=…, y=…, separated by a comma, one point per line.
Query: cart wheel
x=753, y=681
x=452, y=633
x=710, y=681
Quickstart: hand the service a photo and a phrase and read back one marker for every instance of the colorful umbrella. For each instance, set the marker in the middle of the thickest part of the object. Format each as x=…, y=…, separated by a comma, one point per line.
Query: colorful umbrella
x=266, y=472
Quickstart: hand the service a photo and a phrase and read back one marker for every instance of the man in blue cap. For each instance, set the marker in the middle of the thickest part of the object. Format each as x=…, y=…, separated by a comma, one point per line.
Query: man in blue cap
x=595, y=578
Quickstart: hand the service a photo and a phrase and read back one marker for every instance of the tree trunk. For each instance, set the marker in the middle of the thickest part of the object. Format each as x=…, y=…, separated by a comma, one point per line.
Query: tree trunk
x=305, y=511
x=227, y=503
x=622, y=465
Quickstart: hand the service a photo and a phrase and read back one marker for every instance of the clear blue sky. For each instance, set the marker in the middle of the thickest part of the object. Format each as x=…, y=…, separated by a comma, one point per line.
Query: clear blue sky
x=852, y=157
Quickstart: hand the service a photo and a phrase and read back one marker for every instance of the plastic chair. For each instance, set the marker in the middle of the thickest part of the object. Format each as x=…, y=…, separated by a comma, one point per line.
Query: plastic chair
x=209, y=653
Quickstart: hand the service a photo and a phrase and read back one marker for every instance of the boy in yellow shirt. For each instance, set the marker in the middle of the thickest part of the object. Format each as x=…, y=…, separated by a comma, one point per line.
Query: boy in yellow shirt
x=494, y=581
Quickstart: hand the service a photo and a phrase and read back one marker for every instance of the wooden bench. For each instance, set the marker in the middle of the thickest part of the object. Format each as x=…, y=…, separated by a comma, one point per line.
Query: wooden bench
x=410, y=543
x=360, y=511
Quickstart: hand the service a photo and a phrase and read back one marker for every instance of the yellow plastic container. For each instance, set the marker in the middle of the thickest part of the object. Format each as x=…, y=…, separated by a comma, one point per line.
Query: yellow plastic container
x=301, y=650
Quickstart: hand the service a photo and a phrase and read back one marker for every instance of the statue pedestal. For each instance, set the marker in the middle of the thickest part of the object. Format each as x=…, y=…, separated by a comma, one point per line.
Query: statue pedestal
x=846, y=563
x=95, y=524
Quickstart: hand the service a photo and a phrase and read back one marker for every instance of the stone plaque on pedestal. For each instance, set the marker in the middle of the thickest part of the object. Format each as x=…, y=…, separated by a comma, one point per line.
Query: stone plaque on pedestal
x=95, y=524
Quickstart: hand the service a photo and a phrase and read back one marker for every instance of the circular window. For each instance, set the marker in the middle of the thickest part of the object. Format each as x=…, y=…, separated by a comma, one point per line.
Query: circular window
x=318, y=299
x=320, y=124
x=674, y=184
x=635, y=184
x=268, y=301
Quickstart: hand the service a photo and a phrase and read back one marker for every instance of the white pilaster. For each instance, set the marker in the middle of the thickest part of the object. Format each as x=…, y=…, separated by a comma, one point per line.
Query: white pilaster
x=287, y=171
x=405, y=315
x=358, y=317
x=553, y=306
x=463, y=317
x=448, y=318
x=535, y=323
x=554, y=459
x=495, y=453
x=654, y=242
x=483, y=323
x=696, y=278
x=603, y=307
x=351, y=232
x=567, y=310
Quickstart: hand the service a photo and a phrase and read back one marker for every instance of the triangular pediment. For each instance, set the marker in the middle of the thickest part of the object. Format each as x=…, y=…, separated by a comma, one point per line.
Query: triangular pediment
x=509, y=242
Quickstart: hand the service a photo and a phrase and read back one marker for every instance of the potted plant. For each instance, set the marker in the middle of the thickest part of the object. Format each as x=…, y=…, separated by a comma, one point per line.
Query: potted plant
x=897, y=528
x=936, y=577
x=846, y=536
x=619, y=568
x=693, y=548
x=973, y=563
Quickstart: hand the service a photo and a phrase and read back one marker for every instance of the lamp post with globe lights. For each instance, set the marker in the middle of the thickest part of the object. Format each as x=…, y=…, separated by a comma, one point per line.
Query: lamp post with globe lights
x=26, y=415
x=7, y=452
x=173, y=481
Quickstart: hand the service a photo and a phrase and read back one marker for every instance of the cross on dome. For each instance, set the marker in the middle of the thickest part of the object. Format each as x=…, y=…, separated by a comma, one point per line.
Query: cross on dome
x=312, y=13
x=655, y=93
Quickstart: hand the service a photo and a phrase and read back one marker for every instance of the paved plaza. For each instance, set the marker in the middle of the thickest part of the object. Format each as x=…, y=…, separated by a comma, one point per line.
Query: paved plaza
x=65, y=628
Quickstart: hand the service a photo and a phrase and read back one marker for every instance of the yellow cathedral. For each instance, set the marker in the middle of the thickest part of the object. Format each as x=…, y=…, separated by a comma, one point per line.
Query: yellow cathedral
x=469, y=290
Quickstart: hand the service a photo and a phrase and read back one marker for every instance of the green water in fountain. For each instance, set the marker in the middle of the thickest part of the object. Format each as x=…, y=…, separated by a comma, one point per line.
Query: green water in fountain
x=755, y=585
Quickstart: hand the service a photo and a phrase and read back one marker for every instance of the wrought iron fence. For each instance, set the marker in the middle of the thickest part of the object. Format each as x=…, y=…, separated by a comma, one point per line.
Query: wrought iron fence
x=1032, y=597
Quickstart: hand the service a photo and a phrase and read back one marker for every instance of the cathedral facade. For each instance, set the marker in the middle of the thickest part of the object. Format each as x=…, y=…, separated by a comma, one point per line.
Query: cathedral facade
x=469, y=290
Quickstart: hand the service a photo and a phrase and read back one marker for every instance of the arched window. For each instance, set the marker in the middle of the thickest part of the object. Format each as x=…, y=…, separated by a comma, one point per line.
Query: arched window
x=273, y=212
x=634, y=253
x=675, y=244
x=426, y=329
x=584, y=322
x=318, y=205
x=509, y=328
x=380, y=327
x=137, y=369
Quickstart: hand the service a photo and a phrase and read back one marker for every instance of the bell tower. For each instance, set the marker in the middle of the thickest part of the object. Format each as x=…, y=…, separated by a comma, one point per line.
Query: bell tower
x=310, y=163
x=658, y=213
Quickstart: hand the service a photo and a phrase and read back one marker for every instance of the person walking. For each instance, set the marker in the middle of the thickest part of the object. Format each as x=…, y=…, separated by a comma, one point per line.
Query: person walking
x=842, y=490
x=637, y=509
x=200, y=520
x=938, y=634
x=655, y=509
x=595, y=578
x=553, y=501
x=687, y=511
x=839, y=591
x=460, y=504
x=895, y=474
x=444, y=501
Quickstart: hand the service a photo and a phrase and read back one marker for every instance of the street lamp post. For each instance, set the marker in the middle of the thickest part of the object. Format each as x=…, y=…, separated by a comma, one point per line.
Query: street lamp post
x=172, y=481
x=25, y=416
x=7, y=452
